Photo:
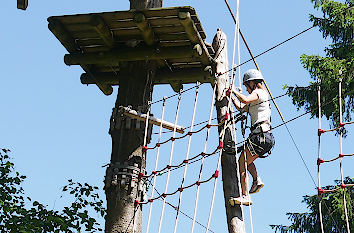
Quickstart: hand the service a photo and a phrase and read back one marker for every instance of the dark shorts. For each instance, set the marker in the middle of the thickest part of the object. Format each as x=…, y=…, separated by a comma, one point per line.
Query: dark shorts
x=260, y=143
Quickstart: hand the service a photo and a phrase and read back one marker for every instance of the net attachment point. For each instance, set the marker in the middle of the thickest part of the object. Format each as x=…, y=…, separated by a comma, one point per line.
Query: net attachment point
x=216, y=174
x=319, y=161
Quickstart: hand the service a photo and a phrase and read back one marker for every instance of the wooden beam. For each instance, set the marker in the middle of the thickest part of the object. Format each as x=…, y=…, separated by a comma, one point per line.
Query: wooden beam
x=132, y=54
x=190, y=75
x=163, y=76
x=193, y=35
x=62, y=35
x=102, y=29
x=22, y=4
x=143, y=25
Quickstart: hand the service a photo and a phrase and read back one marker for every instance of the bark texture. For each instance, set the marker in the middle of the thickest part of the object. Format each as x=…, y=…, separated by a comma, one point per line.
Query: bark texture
x=122, y=185
x=230, y=175
x=142, y=4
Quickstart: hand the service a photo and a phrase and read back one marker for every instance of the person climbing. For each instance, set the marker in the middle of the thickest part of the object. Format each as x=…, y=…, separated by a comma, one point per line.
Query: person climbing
x=261, y=140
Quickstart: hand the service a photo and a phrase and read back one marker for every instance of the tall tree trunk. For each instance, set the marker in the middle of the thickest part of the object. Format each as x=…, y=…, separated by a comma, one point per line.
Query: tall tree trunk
x=230, y=175
x=122, y=185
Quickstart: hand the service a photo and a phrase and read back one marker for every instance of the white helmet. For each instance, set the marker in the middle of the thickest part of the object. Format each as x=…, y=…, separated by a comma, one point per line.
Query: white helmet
x=252, y=74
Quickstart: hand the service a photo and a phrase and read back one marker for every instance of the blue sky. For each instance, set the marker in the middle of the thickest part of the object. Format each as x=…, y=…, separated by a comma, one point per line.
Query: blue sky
x=57, y=128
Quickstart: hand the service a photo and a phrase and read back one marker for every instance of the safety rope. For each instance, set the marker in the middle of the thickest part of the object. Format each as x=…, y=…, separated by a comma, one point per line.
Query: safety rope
x=156, y=164
x=237, y=38
x=170, y=162
x=243, y=130
x=186, y=158
x=238, y=171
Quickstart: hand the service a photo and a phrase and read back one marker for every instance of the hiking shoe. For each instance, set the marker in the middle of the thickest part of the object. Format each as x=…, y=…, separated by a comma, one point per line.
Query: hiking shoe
x=256, y=185
x=244, y=200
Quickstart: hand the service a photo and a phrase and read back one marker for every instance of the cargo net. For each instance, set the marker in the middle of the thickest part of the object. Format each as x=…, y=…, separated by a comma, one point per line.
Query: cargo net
x=183, y=161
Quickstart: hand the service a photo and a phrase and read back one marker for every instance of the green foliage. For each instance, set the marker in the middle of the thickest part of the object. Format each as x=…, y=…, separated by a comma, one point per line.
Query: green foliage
x=337, y=24
x=332, y=211
x=19, y=214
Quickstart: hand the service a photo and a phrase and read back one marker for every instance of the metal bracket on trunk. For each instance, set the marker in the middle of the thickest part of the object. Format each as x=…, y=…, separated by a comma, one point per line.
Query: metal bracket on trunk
x=125, y=176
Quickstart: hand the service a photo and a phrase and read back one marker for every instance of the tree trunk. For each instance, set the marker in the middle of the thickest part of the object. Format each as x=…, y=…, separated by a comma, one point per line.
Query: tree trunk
x=230, y=175
x=122, y=185
x=142, y=4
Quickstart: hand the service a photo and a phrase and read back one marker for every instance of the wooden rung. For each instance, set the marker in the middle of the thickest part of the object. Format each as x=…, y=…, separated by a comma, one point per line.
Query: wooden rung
x=152, y=120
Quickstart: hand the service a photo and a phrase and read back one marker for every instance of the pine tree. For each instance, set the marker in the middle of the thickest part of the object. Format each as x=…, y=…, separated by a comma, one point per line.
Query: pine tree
x=337, y=24
x=332, y=211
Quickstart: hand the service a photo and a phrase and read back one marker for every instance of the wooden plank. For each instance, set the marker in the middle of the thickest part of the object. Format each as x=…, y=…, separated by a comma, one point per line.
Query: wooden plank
x=117, y=16
x=126, y=32
x=110, y=69
x=183, y=60
x=72, y=27
x=168, y=29
x=74, y=19
x=173, y=36
x=174, y=43
x=164, y=21
x=90, y=42
x=121, y=24
x=58, y=29
x=84, y=34
x=95, y=49
x=132, y=54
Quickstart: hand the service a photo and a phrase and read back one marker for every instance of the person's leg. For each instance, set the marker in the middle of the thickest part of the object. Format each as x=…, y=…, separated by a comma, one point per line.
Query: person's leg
x=253, y=170
x=242, y=169
x=243, y=174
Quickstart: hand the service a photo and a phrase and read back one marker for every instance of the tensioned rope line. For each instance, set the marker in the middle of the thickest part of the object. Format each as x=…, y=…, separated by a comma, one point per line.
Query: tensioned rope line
x=275, y=46
x=177, y=94
x=202, y=160
x=203, y=122
x=170, y=162
x=156, y=164
x=340, y=152
x=186, y=158
x=319, y=152
x=143, y=155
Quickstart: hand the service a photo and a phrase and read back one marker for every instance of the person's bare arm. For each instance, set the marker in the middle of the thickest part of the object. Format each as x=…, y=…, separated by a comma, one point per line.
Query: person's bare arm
x=237, y=103
x=246, y=99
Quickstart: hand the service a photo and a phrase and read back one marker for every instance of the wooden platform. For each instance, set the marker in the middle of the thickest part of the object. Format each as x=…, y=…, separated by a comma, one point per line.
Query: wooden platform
x=102, y=42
